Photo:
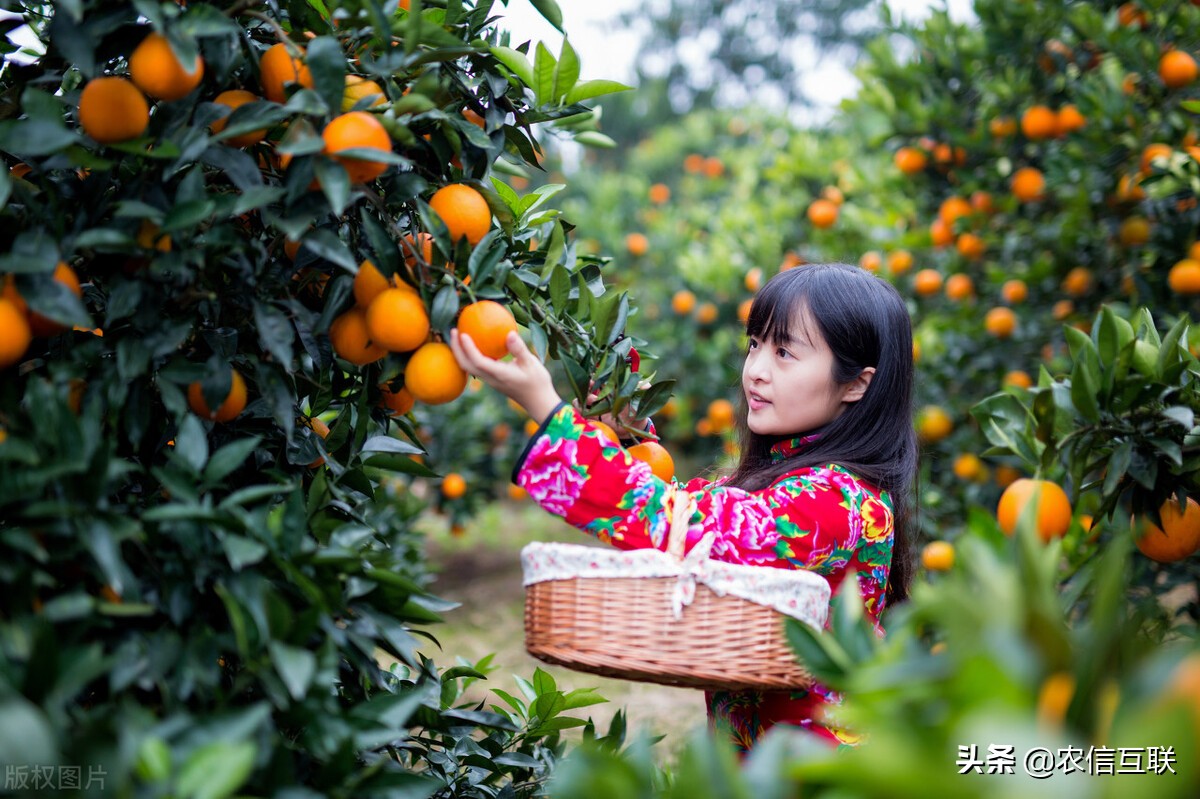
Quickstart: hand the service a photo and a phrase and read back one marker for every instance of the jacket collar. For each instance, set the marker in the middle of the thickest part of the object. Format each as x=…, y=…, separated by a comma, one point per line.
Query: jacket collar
x=788, y=447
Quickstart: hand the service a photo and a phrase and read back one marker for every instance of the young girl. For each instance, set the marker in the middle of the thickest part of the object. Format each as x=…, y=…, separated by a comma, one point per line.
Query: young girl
x=828, y=457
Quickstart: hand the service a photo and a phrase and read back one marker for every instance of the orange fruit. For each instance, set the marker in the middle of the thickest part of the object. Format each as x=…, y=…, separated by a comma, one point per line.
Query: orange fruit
x=1179, y=536
x=790, y=261
x=148, y=237
x=233, y=404
x=488, y=323
x=753, y=280
x=1028, y=184
x=953, y=209
x=693, y=163
x=19, y=170
x=927, y=282
x=707, y=313
x=1001, y=127
x=454, y=486
x=971, y=247
x=516, y=493
x=1177, y=69
x=464, y=211
x=433, y=376
x=1134, y=231
x=1129, y=189
x=112, y=110
x=713, y=167
x=1054, y=698
x=1014, y=291
x=683, y=302
x=1001, y=322
x=15, y=335
x=156, y=70
x=899, y=261
x=1018, y=378
x=1194, y=251
x=721, y=415
x=1184, y=277
x=743, y=310
x=1006, y=475
x=938, y=556
x=910, y=160
x=416, y=250
x=399, y=402
x=1039, y=122
x=1053, y=509
x=940, y=233
x=1130, y=15
x=605, y=430
x=982, y=202
x=823, y=213
x=1078, y=281
x=637, y=244
x=359, y=88
x=662, y=465
x=352, y=131
x=1070, y=120
x=397, y=321
x=291, y=248
x=833, y=194
x=1062, y=309
x=44, y=327
x=234, y=99
x=871, y=260
x=960, y=287
x=660, y=193
x=321, y=429
x=968, y=466
x=278, y=68
x=352, y=341
x=933, y=424
x=1153, y=154
x=369, y=282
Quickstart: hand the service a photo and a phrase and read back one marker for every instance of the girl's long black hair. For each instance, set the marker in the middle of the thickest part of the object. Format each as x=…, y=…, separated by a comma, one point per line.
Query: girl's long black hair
x=865, y=323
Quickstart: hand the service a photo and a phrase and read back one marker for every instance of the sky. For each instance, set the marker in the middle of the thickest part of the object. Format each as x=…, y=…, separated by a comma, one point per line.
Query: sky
x=607, y=52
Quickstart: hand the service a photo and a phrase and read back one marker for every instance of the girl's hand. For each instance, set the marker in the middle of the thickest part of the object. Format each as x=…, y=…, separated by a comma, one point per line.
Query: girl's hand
x=524, y=379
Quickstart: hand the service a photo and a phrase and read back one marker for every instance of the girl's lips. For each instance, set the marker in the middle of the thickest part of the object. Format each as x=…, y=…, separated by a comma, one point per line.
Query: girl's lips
x=756, y=402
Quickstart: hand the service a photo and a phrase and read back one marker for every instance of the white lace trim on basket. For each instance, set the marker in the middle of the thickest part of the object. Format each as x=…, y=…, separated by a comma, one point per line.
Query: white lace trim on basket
x=800, y=594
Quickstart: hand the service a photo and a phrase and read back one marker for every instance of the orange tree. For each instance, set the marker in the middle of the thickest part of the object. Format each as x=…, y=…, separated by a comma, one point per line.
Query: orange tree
x=233, y=238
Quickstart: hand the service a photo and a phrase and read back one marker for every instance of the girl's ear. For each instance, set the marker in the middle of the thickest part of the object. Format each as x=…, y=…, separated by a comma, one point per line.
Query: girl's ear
x=854, y=390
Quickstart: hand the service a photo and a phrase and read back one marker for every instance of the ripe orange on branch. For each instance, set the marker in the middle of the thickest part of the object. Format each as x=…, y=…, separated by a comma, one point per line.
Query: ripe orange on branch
x=351, y=339
x=15, y=335
x=278, y=68
x=1053, y=509
x=1028, y=184
x=1179, y=536
x=823, y=213
x=369, y=283
x=41, y=325
x=1001, y=322
x=1039, y=122
x=433, y=376
x=233, y=404
x=353, y=131
x=233, y=100
x=399, y=402
x=662, y=465
x=157, y=71
x=397, y=321
x=1177, y=69
x=113, y=110
x=488, y=323
x=464, y=211
x=454, y=486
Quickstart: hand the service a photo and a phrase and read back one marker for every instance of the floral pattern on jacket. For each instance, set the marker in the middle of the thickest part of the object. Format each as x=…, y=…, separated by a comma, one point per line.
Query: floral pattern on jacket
x=823, y=519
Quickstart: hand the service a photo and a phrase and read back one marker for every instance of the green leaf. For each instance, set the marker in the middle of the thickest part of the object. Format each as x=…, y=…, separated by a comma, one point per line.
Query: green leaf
x=589, y=89
x=216, y=770
x=296, y=667
x=592, y=138
x=560, y=288
x=191, y=442
x=1084, y=389
x=228, y=458
x=566, y=72
x=444, y=308
x=517, y=63
x=543, y=682
x=543, y=74
x=550, y=10
x=242, y=552
x=388, y=444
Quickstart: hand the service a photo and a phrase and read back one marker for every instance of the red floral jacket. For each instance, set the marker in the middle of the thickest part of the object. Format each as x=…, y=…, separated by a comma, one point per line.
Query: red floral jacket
x=822, y=518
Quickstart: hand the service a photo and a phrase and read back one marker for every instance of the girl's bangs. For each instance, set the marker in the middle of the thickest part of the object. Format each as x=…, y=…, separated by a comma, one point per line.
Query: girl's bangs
x=772, y=311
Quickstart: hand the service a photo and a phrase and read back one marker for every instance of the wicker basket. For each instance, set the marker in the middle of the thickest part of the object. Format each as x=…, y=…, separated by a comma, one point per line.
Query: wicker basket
x=583, y=611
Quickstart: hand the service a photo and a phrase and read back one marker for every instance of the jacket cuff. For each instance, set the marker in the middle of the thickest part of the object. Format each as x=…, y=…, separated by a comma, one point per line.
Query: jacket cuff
x=529, y=444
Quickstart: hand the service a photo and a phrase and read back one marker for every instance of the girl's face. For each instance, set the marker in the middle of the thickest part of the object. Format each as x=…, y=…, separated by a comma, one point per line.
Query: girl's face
x=789, y=384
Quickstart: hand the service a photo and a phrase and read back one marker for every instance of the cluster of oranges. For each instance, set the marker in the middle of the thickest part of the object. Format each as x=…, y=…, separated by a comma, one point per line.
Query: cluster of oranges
x=19, y=324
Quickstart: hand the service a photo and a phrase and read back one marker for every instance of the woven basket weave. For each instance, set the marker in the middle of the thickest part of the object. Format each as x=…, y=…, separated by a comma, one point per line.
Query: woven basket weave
x=625, y=627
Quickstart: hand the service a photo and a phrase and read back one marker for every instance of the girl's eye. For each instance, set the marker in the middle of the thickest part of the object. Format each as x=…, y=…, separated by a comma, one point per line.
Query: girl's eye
x=752, y=344
x=782, y=353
